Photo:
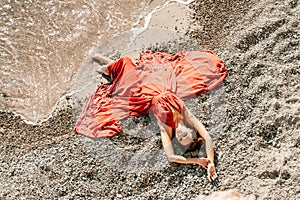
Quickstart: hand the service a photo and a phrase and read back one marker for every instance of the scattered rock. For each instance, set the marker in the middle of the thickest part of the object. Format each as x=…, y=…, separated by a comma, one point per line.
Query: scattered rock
x=226, y=195
x=253, y=118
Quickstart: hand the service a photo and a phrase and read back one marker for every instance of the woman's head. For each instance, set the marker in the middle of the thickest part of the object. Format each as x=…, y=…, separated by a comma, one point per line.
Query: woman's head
x=185, y=135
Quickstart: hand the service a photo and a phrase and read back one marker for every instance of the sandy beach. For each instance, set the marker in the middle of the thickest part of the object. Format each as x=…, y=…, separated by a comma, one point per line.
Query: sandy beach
x=253, y=116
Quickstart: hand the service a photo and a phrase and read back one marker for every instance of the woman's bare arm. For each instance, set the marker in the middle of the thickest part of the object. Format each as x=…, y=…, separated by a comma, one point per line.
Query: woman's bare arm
x=196, y=124
x=166, y=135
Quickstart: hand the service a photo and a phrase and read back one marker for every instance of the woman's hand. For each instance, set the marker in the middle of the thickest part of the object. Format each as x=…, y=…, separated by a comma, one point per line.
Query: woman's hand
x=203, y=162
x=211, y=172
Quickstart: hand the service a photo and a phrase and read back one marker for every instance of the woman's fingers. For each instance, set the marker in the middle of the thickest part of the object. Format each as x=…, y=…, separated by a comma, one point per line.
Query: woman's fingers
x=211, y=172
x=214, y=176
x=210, y=176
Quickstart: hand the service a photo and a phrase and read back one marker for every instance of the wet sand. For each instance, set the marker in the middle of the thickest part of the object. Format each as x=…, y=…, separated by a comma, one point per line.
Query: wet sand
x=42, y=46
x=253, y=118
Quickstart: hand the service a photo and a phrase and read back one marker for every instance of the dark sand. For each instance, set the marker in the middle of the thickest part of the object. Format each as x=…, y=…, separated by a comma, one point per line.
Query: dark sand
x=253, y=118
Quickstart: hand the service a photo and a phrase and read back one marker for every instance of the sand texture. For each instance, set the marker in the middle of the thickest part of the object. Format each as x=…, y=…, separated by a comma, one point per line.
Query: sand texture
x=253, y=117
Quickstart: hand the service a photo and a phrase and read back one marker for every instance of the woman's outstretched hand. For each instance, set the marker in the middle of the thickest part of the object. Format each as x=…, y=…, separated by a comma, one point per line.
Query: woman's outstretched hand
x=211, y=172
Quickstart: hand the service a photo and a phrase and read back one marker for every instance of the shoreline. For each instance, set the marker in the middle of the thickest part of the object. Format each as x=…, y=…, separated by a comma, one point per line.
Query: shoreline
x=149, y=22
x=254, y=113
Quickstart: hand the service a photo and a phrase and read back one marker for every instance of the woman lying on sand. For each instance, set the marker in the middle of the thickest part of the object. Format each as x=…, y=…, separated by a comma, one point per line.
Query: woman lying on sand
x=158, y=85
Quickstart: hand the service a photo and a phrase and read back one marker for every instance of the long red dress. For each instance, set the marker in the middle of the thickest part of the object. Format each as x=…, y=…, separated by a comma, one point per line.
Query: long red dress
x=159, y=81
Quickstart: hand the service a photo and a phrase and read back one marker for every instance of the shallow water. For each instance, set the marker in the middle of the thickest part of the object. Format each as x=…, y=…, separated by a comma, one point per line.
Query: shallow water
x=43, y=45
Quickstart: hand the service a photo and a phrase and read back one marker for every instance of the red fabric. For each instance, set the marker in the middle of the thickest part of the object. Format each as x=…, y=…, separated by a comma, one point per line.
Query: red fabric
x=159, y=81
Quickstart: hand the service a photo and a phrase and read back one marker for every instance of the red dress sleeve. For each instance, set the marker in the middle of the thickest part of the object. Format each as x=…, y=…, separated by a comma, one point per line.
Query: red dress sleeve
x=98, y=118
x=120, y=67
